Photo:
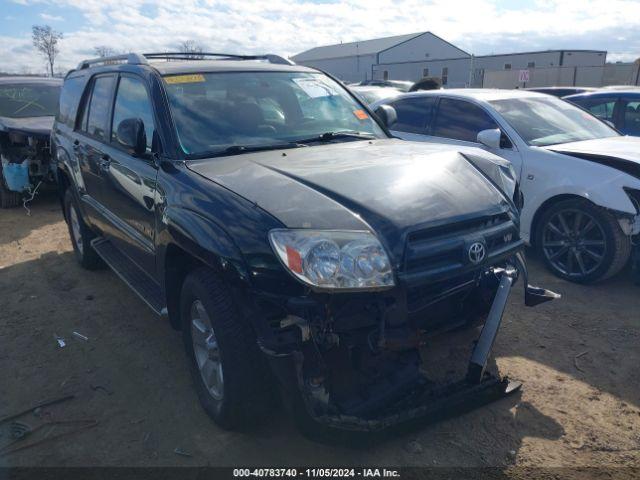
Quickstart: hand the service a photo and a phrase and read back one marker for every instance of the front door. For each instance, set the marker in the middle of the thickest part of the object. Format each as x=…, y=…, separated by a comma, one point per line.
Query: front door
x=130, y=181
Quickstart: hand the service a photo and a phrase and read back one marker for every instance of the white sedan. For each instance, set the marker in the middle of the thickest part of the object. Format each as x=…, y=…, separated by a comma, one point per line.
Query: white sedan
x=579, y=178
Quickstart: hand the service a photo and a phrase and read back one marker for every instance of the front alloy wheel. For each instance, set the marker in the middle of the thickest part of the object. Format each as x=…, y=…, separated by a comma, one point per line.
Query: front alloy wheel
x=581, y=242
x=206, y=350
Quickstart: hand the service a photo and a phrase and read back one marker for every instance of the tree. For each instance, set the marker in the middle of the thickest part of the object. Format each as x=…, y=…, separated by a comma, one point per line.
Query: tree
x=46, y=39
x=191, y=47
x=104, y=51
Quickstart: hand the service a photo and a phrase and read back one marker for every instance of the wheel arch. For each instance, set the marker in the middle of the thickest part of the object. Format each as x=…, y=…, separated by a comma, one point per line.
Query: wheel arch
x=183, y=249
x=546, y=205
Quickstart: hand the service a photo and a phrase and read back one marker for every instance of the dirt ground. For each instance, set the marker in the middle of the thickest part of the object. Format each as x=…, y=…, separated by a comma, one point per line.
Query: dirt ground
x=578, y=358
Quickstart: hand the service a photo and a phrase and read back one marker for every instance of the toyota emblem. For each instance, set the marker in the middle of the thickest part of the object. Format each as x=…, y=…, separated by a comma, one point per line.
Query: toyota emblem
x=476, y=252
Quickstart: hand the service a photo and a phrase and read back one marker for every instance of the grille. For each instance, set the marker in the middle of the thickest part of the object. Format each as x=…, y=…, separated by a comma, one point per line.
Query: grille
x=436, y=261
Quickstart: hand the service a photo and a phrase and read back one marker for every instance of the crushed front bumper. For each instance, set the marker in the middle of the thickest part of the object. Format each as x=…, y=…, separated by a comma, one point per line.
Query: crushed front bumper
x=420, y=402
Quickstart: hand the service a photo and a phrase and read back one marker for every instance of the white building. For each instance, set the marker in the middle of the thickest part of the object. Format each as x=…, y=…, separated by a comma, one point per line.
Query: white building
x=413, y=56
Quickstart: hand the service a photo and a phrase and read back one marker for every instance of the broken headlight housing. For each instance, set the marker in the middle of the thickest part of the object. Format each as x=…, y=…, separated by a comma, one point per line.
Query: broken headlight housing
x=330, y=259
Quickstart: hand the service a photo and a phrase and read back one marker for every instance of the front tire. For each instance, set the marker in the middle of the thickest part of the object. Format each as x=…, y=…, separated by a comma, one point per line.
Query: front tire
x=8, y=199
x=80, y=234
x=227, y=367
x=581, y=242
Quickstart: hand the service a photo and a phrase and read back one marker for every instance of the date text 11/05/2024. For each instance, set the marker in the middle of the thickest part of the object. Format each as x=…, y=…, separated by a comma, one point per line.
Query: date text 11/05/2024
x=317, y=472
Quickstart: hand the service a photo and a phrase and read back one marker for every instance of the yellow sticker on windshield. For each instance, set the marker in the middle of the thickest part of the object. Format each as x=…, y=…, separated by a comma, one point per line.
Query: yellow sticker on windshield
x=195, y=78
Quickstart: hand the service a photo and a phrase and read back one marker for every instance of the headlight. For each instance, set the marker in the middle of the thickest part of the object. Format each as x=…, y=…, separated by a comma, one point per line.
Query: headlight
x=334, y=259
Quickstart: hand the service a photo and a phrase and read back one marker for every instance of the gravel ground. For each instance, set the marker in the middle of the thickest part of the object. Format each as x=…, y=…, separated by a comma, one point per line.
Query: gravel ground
x=578, y=359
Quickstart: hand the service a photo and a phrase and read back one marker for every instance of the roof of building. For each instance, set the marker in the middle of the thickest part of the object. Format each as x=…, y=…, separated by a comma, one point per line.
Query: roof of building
x=363, y=47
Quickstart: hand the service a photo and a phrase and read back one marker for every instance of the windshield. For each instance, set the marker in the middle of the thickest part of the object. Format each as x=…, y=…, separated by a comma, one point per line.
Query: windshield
x=21, y=101
x=215, y=111
x=550, y=121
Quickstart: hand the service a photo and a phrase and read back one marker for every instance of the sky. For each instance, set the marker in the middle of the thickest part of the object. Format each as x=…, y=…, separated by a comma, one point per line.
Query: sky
x=287, y=27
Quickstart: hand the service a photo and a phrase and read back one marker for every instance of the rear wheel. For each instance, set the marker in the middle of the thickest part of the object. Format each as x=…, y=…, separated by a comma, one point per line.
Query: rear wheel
x=581, y=242
x=227, y=367
x=80, y=234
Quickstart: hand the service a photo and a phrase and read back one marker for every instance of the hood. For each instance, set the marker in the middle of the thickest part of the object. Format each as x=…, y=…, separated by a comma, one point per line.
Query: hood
x=27, y=125
x=621, y=153
x=388, y=186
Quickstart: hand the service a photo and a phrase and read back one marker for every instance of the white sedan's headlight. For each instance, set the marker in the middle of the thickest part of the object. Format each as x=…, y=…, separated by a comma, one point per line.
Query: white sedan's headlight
x=334, y=259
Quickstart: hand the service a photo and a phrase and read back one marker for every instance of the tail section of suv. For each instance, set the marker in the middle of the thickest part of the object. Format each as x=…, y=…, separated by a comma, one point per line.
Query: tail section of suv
x=266, y=212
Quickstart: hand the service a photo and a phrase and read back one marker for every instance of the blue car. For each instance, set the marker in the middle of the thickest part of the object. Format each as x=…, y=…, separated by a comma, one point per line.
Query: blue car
x=619, y=107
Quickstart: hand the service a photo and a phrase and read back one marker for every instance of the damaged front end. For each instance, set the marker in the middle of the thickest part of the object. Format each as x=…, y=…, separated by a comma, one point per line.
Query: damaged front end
x=361, y=361
x=26, y=159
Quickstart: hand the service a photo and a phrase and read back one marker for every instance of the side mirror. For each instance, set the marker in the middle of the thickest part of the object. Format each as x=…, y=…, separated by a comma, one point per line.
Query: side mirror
x=490, y=138
x=131, y=135
x=387, y=115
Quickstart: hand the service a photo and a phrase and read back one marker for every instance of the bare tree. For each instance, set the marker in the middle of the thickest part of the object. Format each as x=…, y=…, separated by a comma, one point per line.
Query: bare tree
x=191, y=47
x=45, y=39
x=104, y=51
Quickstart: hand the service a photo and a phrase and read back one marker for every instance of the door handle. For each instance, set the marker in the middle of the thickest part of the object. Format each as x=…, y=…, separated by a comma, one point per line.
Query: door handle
x=104, y=163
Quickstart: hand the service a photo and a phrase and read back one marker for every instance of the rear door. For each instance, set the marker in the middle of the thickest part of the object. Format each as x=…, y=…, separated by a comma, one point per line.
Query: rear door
x=91, y=135
x=129, y=181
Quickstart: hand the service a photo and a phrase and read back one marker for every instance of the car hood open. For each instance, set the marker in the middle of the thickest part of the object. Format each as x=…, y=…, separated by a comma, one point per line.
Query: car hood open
x=388, y=186
x=27, y=125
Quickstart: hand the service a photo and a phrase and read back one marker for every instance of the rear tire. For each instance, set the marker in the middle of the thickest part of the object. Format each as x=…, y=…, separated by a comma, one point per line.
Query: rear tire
x=228, y=370
x=581, y=242
x=80, y=234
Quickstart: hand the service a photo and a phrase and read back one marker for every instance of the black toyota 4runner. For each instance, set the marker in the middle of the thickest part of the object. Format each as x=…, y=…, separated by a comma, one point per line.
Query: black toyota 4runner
x=264, y=209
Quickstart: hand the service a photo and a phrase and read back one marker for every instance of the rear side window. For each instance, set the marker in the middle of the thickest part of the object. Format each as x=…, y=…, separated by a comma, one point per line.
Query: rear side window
x=414, y=114
x=69, y=100
x=461, y=120
x=132, y=101
x=100, y=107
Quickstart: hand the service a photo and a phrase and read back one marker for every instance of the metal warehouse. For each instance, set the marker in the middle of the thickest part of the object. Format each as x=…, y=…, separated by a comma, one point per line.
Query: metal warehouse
x=416, y=55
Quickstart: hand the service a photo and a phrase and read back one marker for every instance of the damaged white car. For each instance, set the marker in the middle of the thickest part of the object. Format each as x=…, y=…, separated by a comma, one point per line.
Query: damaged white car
x=28, y=106
x=579, y=177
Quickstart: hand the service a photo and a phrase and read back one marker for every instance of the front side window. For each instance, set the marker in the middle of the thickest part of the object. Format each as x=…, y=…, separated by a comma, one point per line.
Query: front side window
x=550, y=121
x=215, y=111
x=132, y=101
x=22, y=101
x=461, y=120
x=414, y=114
x=100, y=107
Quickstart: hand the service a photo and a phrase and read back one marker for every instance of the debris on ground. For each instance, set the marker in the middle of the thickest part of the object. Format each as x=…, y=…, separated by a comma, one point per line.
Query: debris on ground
x=37, y=407
x=80, y=336
x=95, y=388
x=60, y=340
x=182, y=453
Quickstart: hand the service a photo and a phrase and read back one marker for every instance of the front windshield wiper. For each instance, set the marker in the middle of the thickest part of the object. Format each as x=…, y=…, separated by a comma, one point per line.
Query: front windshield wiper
x=238, y=149
x=329, y=136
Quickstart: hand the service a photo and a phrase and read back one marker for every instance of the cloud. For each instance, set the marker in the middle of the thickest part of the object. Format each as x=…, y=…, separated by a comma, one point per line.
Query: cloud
x=288, y=27
x=51, y=18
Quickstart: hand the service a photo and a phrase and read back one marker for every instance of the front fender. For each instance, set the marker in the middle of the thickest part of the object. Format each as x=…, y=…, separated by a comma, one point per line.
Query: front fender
x=600, y=184
x=203, y=239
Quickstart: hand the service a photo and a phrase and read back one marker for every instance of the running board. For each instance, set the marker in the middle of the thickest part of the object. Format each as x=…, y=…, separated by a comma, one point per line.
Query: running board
x=143, y=285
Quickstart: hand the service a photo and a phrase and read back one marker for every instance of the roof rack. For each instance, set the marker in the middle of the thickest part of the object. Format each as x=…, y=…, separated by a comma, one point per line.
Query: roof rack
x=142, y=59
x=130, y=58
